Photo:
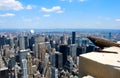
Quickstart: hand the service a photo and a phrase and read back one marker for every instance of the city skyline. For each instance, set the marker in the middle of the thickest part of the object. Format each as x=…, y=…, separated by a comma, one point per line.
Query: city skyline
x=50, y=14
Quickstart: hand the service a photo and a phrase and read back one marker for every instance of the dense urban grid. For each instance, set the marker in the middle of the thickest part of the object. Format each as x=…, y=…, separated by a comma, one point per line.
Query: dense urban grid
x=46, y=54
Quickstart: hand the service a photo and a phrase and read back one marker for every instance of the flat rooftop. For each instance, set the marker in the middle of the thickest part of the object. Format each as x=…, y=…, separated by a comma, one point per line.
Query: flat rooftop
x=108, y=61
x=105, y=58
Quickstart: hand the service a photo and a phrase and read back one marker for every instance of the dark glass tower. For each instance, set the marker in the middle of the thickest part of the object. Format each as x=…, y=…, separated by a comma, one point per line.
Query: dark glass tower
x=65, y=51
x=73, y=37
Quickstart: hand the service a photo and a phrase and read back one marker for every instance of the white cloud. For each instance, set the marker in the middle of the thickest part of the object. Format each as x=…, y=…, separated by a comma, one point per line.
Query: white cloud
x=53, y=9
x=7, y=15
x=82, y=0
x=10, y=5
x=29, y=7
x=47, y=15
x=118, y=20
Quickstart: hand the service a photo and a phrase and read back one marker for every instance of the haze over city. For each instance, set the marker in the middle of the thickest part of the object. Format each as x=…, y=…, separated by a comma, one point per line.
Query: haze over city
x=50, y=14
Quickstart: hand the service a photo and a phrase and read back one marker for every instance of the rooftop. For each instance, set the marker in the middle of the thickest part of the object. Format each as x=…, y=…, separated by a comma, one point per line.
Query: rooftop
x=105, y=61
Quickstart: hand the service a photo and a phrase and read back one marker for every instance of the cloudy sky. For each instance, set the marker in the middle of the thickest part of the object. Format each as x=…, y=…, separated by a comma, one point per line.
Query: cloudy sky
x=49, y=14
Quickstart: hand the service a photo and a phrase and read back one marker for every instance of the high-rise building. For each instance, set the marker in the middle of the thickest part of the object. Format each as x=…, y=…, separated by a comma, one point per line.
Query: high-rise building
x=31, y=42
x=8, y=41
x=52, y=43
x=23, y=55
x=29, y=66
x=80, y=50
x=26, y=39
x=69, y=41
x=58, y=60
x=65, y=51
x=68, y=65
x=73, y=49
x=46, y=64
x=38, y=39
x=2, y=41
x=16, y=71
x=48, y=46
x=52, y=58
x=24, y=68
x=90, y=48
x=41, y=51
x=15, y=40
x=11, y=63
x=73, y=37
x=85, y=41
x=54, y=72
x=21, y=43
x=6, y=49
x=63, y=39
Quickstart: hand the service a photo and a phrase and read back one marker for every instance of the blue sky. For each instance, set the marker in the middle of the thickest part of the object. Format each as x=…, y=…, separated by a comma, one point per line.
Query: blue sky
x=50, y=14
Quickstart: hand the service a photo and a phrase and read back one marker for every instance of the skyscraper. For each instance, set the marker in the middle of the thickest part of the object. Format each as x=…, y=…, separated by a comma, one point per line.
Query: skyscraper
x=52, y=58
x=26, y=40
x=58, y=60
x=54, y=72
x=23, y=55
x=73, y=49
x=21, y=43
x=64, y=50
x=31, y=42
x=69, y=41
x=38, y=39
x=41, y=51
x=24, y=68
x=29, y=66
x=73, y=37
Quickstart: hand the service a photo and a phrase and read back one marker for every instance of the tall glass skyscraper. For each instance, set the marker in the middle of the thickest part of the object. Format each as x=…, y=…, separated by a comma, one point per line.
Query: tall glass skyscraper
x=73, y=37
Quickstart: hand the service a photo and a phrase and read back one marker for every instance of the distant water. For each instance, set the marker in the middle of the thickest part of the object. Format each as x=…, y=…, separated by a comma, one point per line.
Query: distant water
x=62, y=30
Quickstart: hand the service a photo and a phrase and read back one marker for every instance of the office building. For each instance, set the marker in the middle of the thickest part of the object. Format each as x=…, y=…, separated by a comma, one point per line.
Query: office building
x=90, y=48
x=21, y=43
x=2, y=41
x=65, y=51
x=47, y=45
x=69, y=41
x=58, y=60
x=23, y=54
x=72, y=51
x=41, y=51
x=54, y=72
x=52, y=58
x=26, y=39
x=29, y=66
x=31, y=42
x=80, y=50
x=52, y=43
x=73, y=37
x=38, y=39
x=85, y=41
x=6, y=51
x=24, y=69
